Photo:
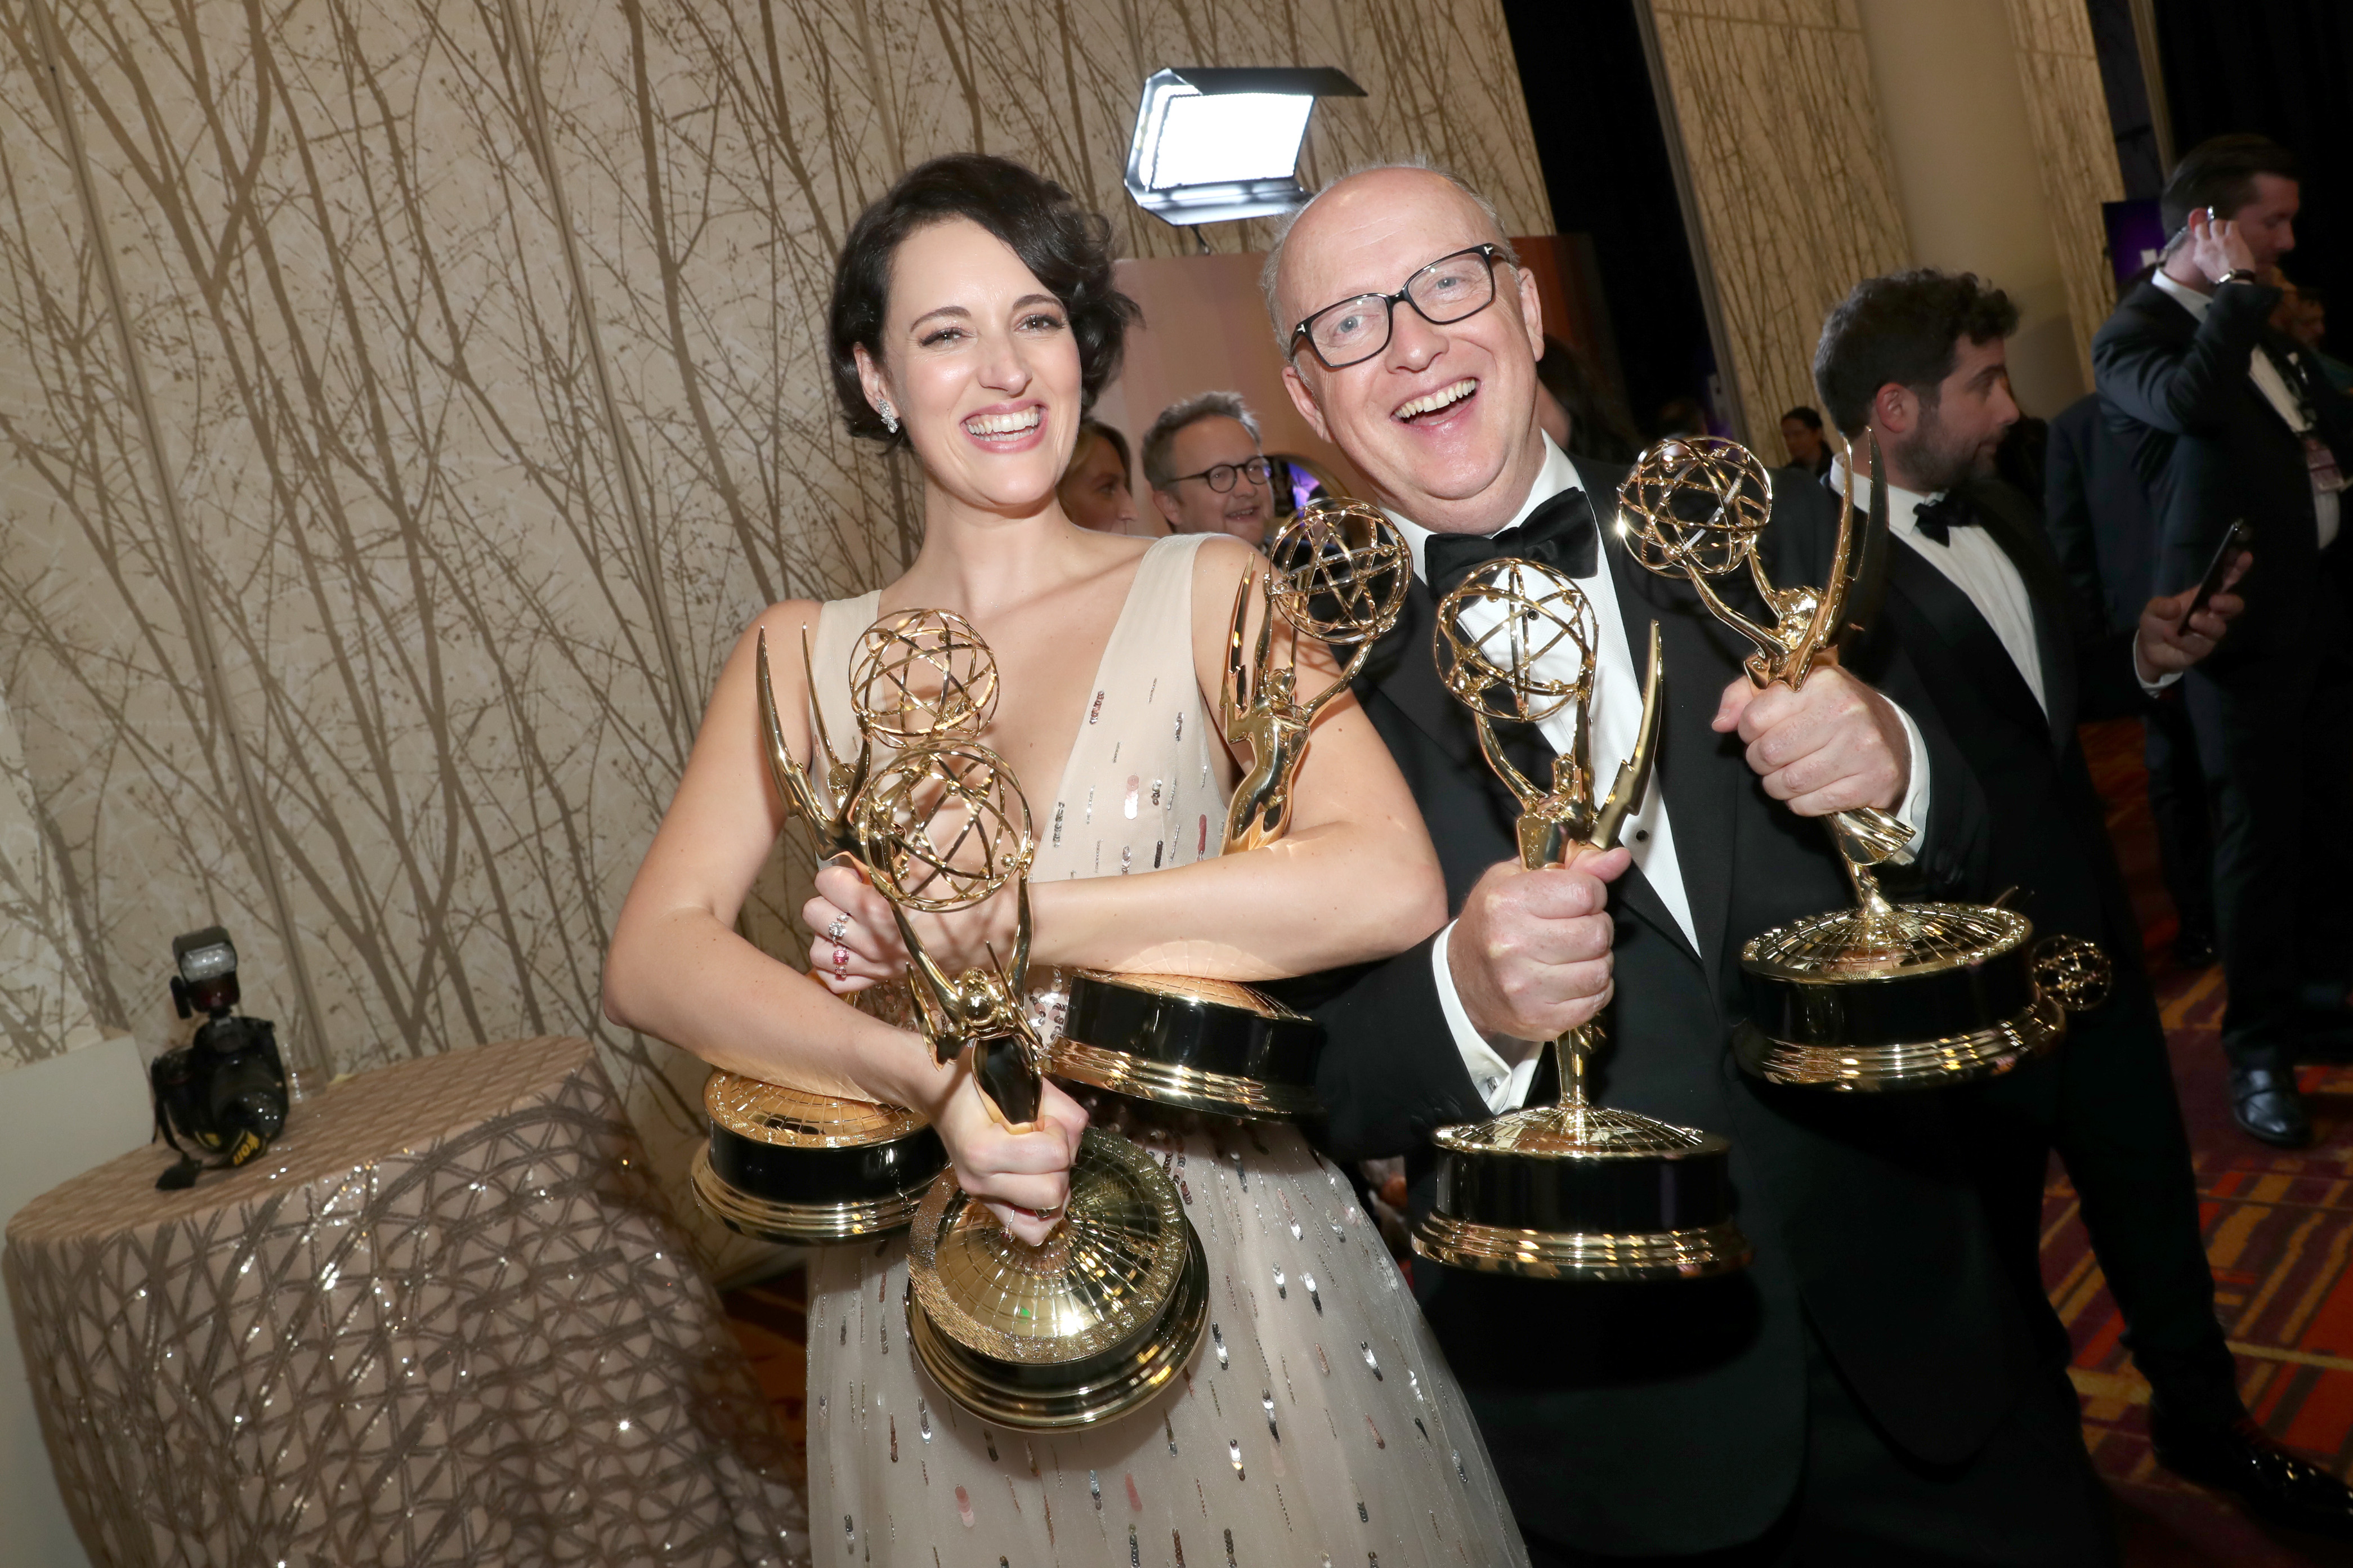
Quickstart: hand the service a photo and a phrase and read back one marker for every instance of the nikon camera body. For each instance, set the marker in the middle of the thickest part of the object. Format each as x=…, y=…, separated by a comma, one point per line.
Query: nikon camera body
x=225, y=1091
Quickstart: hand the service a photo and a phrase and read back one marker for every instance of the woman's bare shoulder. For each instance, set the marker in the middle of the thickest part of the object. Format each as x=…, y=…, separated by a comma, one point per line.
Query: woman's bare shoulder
x=1222, y=561
x=783, y=621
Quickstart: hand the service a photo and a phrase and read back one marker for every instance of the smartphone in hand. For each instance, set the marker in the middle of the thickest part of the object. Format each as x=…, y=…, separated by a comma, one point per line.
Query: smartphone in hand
x=2236, y=539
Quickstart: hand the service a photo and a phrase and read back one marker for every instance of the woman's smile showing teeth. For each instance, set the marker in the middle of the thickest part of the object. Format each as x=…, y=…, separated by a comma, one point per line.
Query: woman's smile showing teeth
x=1001, y=425
x=1438, y=402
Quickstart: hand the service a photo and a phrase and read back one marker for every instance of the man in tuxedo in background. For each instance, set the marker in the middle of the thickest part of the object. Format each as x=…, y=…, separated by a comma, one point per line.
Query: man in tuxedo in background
x=2096, y=511
x=1978, y=604
x=1867, y=1391
x=2231, y=419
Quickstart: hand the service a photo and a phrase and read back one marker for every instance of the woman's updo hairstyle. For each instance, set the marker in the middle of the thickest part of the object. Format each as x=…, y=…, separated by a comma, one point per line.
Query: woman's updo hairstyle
x=1066, y=247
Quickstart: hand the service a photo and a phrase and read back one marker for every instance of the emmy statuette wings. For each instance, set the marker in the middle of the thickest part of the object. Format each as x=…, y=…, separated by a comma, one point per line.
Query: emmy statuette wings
x=1338, y=573
x=1882, y=996
x=784, y=1164
x=1573, y=1191
x=1094, y=1320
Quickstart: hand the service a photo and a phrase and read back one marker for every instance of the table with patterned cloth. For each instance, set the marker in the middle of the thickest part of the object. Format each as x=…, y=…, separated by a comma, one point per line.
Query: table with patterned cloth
x=447, y=1318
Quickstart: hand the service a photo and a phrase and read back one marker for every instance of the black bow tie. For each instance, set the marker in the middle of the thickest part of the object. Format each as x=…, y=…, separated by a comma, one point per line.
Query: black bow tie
x=1560, y=534
x=1938, y=519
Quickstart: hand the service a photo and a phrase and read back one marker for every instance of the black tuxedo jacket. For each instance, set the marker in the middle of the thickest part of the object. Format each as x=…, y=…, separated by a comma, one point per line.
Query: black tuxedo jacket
x=1671, y=1417
x=2210, y=447
x=2097, y=513
x=2048, y=836
x=2105, y=1100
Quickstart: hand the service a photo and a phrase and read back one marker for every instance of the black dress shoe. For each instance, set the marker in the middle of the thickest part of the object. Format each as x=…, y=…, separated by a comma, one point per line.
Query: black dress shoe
x=2264, y=1104
x=2241, y=1458
x=2193, y=949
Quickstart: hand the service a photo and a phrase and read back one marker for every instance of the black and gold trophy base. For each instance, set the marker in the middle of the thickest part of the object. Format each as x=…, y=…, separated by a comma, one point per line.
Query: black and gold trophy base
x=1083, y=1328
x=1201, y=1045
x=1578, y=1192
x=789, y=1166
x=1948, y=995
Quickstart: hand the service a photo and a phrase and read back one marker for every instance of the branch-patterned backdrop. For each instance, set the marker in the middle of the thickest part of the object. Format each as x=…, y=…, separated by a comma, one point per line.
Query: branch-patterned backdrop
x=406, y=402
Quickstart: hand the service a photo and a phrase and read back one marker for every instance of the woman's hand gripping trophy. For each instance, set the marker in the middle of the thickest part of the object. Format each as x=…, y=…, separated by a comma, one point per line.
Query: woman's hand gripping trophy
x=944, y=828
x=938, y=829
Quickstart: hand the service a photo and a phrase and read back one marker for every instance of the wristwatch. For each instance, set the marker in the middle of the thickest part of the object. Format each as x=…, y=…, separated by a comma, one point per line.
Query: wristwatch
x=2237, y=275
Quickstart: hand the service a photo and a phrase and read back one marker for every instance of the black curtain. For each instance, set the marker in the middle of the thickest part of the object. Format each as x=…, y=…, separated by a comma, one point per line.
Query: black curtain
x=1605, y=163
x=2118, y=43
x=2282, y=67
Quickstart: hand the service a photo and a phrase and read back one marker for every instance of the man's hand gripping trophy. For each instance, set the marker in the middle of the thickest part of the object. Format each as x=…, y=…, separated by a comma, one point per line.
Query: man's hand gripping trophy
x=1544, y=1193
x=1883, y=996
x=1493, y=632
x=1695, y=505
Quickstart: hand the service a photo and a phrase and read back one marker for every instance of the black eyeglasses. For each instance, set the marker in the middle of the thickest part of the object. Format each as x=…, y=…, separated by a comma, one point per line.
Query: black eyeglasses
x=1220, y=476
x=1451, y=289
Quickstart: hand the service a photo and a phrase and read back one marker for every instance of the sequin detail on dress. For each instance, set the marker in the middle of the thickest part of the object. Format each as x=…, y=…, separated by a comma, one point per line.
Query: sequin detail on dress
x=1249, y=1449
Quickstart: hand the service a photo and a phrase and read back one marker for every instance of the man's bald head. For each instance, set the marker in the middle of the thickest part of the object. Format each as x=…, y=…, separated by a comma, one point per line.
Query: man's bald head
x=1441, y=419
x=1354, y=193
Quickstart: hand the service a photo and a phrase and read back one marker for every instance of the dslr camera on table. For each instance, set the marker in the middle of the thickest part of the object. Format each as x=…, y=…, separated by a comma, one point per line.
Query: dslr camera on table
x=223, y=1091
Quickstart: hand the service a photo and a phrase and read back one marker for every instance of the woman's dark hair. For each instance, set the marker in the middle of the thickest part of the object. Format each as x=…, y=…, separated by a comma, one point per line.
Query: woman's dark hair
x=1905, y=328
x=1066, y=247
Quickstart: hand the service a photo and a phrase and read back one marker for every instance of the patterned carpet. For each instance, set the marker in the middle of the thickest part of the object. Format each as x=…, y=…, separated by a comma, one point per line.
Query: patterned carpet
x=2277, y=1231
x=2276, y=1228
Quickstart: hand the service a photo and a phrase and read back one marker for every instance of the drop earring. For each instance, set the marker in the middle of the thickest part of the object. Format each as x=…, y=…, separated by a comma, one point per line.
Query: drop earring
x=890, y=417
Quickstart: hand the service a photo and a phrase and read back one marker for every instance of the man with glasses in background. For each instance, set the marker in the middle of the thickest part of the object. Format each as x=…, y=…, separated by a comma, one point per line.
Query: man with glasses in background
x=1201, y=459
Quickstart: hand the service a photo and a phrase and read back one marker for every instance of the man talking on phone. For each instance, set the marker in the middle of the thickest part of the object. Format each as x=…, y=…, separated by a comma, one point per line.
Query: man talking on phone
x=2232, y=420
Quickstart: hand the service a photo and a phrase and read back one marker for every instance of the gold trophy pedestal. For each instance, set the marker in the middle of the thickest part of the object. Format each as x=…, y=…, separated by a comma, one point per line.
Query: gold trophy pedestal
x=789, y=1166
x=1925, y=996
x=1583, y=1191
x=1082, y=1330
x=1204, y=1045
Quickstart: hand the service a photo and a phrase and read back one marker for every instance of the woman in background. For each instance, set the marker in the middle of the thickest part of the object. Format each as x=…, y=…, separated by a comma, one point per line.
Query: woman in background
x=1094, y=491
x=973, y=320
x=1580, y=420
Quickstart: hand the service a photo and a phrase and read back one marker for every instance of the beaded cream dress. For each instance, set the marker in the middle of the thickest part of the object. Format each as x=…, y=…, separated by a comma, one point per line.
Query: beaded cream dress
x=1316, y=1425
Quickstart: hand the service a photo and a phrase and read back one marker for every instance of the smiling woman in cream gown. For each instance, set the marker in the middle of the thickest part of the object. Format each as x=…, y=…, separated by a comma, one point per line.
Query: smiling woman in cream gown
x=1317, y=1424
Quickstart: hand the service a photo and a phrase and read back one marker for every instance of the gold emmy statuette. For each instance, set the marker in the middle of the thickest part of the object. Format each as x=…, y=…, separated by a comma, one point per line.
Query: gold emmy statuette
x=782, y=1164
x=1573, y=1191
x=1094, y=1321
x=1339, y=573
x=1882, y=996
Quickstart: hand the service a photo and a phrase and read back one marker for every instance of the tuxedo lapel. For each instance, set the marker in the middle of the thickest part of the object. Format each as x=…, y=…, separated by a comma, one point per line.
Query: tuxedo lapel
x=2022, y=538
x=1402, y=670
x=1948, y=614
x=1400, y=667
x=1700, y=797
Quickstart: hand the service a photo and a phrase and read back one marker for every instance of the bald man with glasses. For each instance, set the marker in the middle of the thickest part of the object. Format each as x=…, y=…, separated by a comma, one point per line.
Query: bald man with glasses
x=1866, y=1392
